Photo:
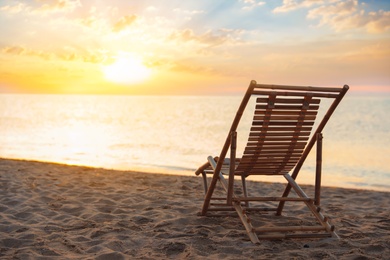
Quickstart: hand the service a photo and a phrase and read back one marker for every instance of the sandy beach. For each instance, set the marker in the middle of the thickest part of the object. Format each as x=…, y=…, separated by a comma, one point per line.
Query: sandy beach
x=53, y=211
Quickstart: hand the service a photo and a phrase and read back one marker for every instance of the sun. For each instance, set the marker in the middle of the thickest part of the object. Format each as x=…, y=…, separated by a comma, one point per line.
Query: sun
x=127, y=69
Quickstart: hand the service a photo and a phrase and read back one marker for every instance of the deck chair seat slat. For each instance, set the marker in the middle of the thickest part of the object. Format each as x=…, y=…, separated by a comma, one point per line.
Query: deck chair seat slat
x=266, y=147
x=302, y=94
x=285, y=112
x=280, y=129
x=269, y=161
x=279, y=134
x=283, y=123
x=285, y=117
x=274, y=143
x=288, y=100
x=272, y=152
x=287, y=107
x=276, y=139
x=252, y=165
x=279, y=145
x=295, y=88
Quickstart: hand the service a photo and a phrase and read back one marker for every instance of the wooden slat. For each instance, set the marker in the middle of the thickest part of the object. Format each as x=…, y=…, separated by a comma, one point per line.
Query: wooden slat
x=285, y=117
x=288, y=100
x=268, y=143
x=294, y=94
x=251, y=170
x=263, y=169
x=289, y=229
x=282, y=147
x=279, y=134
x=276, y=166
x=285, y=112
x=279, y=129
x=269, y=161
x=287, y=107
x=272, y=154
x=282, y=123
x=272, y=199
x=246, y=222
x=221, y=208
x=297, y=88
x=275, y=156
x=274, y=151
x=290, y=164
x=252, y=209
x=245, y=173
x=284, y=236
x=257, y=139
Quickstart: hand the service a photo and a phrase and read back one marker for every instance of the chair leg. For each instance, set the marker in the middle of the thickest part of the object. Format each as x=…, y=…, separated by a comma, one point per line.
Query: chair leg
x=243, y=179
x=204, y=182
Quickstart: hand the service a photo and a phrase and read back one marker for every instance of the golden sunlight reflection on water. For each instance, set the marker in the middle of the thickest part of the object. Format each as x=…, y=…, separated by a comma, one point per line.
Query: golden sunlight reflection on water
x=175, y=135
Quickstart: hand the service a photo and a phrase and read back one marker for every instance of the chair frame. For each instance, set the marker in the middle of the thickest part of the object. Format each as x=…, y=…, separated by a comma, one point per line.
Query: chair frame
x=240, y=204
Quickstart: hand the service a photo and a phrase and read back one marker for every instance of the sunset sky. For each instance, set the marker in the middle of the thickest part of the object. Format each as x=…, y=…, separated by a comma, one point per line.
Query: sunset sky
x=191, y=47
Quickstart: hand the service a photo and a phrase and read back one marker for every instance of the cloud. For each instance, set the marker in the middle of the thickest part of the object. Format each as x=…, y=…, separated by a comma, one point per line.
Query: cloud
x=339, y=9
x=47, y=7
x=16, y=50
x=65, y=54
x=340, y=15
x=378, y=22
x=347, y=15
x=291, y=5
x=21, y=51
x=51, y=6
x=187, y=12
x=124, y=22
x=210, y=38
x=151, y=8
x=251, y=4
x=18, y=7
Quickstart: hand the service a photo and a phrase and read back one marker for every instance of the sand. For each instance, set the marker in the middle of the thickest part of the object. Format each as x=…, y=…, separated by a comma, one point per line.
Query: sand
x=53, y=211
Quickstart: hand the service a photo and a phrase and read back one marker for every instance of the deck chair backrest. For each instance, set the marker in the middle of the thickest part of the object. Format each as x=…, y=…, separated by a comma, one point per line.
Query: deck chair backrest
x=274, y=99
x=280, y=131
x=281, y=134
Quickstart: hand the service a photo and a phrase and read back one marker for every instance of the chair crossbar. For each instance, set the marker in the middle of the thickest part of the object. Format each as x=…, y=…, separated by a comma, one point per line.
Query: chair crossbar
x=290, y=229
x=272, y=199
x=295, y=94
x=285, y=236
x=304, y=88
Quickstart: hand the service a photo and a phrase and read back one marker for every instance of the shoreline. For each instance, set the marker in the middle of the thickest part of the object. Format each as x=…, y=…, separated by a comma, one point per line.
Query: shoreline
x=61, y=211
x=186, y=172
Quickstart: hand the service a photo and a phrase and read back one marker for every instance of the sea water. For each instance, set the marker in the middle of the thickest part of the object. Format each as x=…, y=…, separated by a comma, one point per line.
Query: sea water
x=175, y=134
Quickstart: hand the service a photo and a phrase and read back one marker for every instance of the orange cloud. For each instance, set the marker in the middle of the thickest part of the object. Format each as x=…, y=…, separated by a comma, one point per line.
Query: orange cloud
x=66, y=54
x=124, y=22
x=347, y=15
x=58, y=5
x=208, y=38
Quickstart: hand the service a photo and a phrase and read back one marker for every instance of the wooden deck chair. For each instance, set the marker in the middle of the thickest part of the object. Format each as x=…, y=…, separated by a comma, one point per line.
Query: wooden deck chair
x=280, y=140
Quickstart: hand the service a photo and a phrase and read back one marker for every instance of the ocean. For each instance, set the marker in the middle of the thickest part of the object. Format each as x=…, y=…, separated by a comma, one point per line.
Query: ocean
x=175, y=134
